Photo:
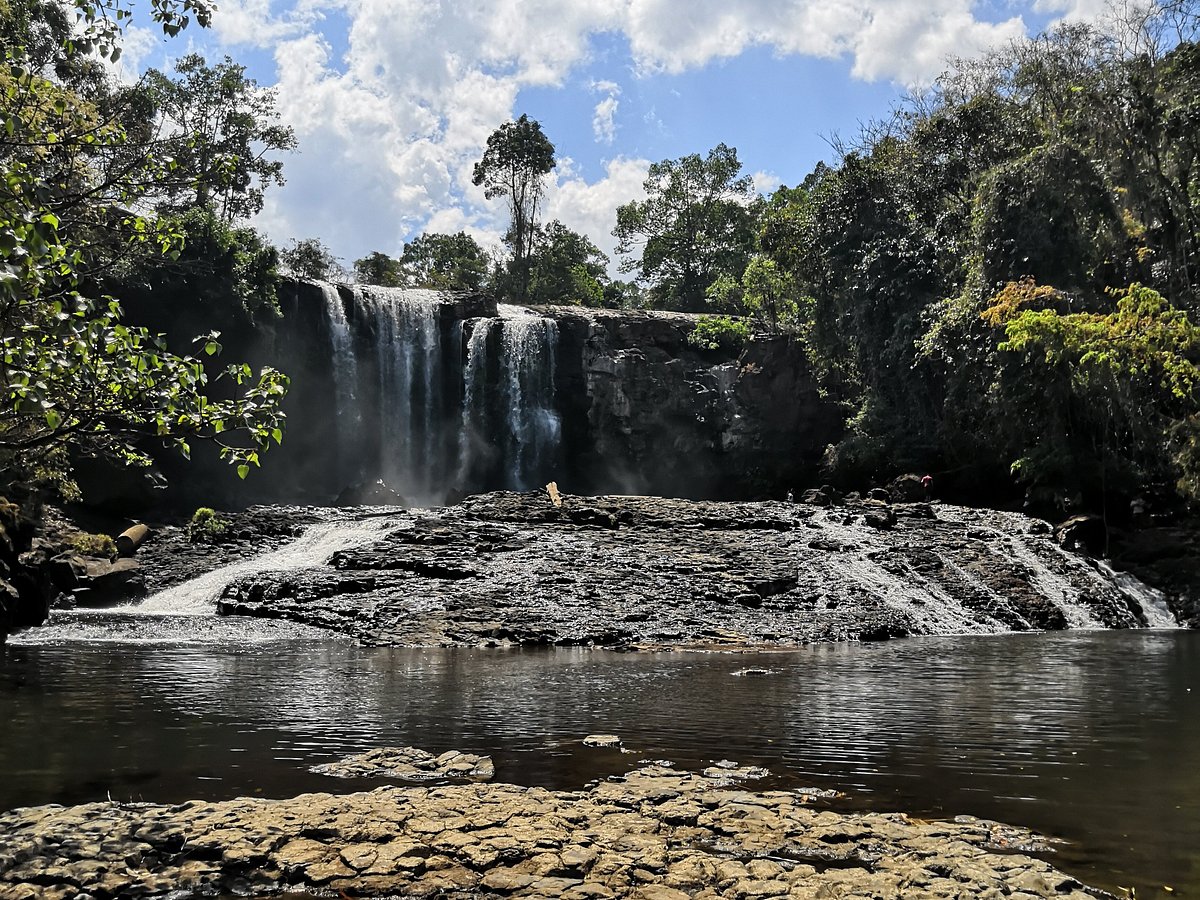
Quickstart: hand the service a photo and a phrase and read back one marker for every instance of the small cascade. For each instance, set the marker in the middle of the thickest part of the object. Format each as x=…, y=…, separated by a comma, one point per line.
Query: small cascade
x=199, y=596
x=1046, y=564
x=1153, y=602
x=921, y=600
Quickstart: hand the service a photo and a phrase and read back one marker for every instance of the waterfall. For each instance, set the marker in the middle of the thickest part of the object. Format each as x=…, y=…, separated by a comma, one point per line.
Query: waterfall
x=345, y=377
x=318, y=543
x=473, y=420
x=408, y=355
x=528, y=344
x=399, y=414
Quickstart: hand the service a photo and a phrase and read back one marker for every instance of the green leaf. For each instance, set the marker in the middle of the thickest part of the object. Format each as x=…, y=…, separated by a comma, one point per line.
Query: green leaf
x=242, y=471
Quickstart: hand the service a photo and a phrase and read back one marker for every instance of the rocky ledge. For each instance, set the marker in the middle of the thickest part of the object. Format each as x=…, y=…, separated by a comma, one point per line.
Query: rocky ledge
x=410, y=764
x=655, y=834
x=629, y=572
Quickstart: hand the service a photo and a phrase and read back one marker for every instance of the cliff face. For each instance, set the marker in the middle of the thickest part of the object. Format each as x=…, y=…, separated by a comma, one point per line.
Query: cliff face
x=644, y=412
x=442, y=395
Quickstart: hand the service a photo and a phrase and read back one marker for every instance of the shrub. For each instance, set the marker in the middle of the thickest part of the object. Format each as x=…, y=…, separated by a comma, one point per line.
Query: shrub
x=100, y=545
x=719, y=333
x=206, y=526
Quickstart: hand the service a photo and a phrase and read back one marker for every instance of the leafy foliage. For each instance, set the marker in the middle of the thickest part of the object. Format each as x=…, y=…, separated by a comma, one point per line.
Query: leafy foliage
x=448, y=262
x=921, y=265
x=219, y=129
x=379, y=269
x=88, y=544
x=566, y=268
x=1105, y=387
x=696, y=223
x=206, y=526
x=310, y=258
x=75, y=376
x=719, y=333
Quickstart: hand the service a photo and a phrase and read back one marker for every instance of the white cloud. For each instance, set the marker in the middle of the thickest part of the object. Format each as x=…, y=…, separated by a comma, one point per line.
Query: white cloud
x=591, y=208
x=765, y=182
x=389, y=129
x=604, y=124
x=137, y=46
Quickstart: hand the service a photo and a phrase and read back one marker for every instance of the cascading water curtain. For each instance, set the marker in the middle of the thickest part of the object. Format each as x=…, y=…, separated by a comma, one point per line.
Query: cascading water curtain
x=528, y=344
x=347, y=417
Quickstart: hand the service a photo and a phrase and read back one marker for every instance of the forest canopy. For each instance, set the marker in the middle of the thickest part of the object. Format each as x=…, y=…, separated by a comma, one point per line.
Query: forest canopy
x=101, y=184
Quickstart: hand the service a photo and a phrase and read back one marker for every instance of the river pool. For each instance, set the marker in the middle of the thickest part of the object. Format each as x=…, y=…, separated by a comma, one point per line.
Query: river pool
x=1090, y=737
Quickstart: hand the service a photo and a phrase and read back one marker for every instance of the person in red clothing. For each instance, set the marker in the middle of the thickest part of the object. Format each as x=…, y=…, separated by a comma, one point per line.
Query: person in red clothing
x=927, y=483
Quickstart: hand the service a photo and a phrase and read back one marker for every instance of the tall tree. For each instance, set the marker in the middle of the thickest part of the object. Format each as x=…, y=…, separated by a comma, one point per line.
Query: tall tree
x=221, y=132
x=696, y=222
x=515, y=165
x=379, y=269
x=310, y=258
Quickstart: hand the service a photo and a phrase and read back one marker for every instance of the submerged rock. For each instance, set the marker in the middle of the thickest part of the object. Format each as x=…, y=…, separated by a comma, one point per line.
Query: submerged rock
x=602, y=740
x=410, y=764
x=654, y=833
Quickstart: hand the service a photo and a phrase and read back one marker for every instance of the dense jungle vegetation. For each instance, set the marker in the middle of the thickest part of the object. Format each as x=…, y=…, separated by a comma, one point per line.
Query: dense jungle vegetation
x=999, y=280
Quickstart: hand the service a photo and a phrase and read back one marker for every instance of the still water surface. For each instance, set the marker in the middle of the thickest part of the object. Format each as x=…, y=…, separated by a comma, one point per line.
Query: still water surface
x=1093, y=737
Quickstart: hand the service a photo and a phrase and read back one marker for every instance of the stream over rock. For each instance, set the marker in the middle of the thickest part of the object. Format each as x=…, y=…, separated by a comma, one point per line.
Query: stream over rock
x=624, y=572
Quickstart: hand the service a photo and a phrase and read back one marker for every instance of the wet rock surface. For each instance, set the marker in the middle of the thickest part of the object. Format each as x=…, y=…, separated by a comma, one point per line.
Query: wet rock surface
x=654, y=834
x=641, y=572
x=169, y=557
x=410, y=764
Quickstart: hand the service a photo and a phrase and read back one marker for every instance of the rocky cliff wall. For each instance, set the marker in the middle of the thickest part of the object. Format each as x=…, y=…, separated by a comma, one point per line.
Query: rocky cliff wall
x=644, y=412
x=635, y=408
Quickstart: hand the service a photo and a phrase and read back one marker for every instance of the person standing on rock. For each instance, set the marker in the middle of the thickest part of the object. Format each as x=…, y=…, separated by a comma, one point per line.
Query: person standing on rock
x=927, y=484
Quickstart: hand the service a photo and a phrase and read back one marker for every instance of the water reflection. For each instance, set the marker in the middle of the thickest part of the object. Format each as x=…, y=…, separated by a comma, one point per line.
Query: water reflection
x=1092, y=737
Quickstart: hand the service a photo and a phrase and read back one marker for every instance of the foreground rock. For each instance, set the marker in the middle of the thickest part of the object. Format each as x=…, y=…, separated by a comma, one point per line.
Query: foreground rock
x=655, y=834
x=410, y=764
x=511, y=568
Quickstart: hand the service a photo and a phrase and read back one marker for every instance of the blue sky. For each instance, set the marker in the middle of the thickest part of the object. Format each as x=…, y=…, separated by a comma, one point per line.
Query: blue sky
x=392, y=100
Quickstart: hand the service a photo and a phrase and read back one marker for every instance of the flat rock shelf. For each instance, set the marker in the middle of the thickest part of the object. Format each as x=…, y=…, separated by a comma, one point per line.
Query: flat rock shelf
x=655, y=834
x=508, y=569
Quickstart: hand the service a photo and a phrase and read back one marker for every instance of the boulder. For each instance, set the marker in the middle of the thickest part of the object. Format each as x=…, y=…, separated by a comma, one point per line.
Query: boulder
x=1082, y=534
x=96, y=582
x=880, y=517
x=26, y=590
x=815, y=497
x=907, y=489
x=880, y=494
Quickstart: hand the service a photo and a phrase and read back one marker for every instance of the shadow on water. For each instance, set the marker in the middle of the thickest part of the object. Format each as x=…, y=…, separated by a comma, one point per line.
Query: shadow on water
x=1089, y=737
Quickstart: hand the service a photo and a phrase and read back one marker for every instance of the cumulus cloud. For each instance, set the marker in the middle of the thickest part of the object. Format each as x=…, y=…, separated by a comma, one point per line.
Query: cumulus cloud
x=391, y=123
x=591, y=207
x=604, y=124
